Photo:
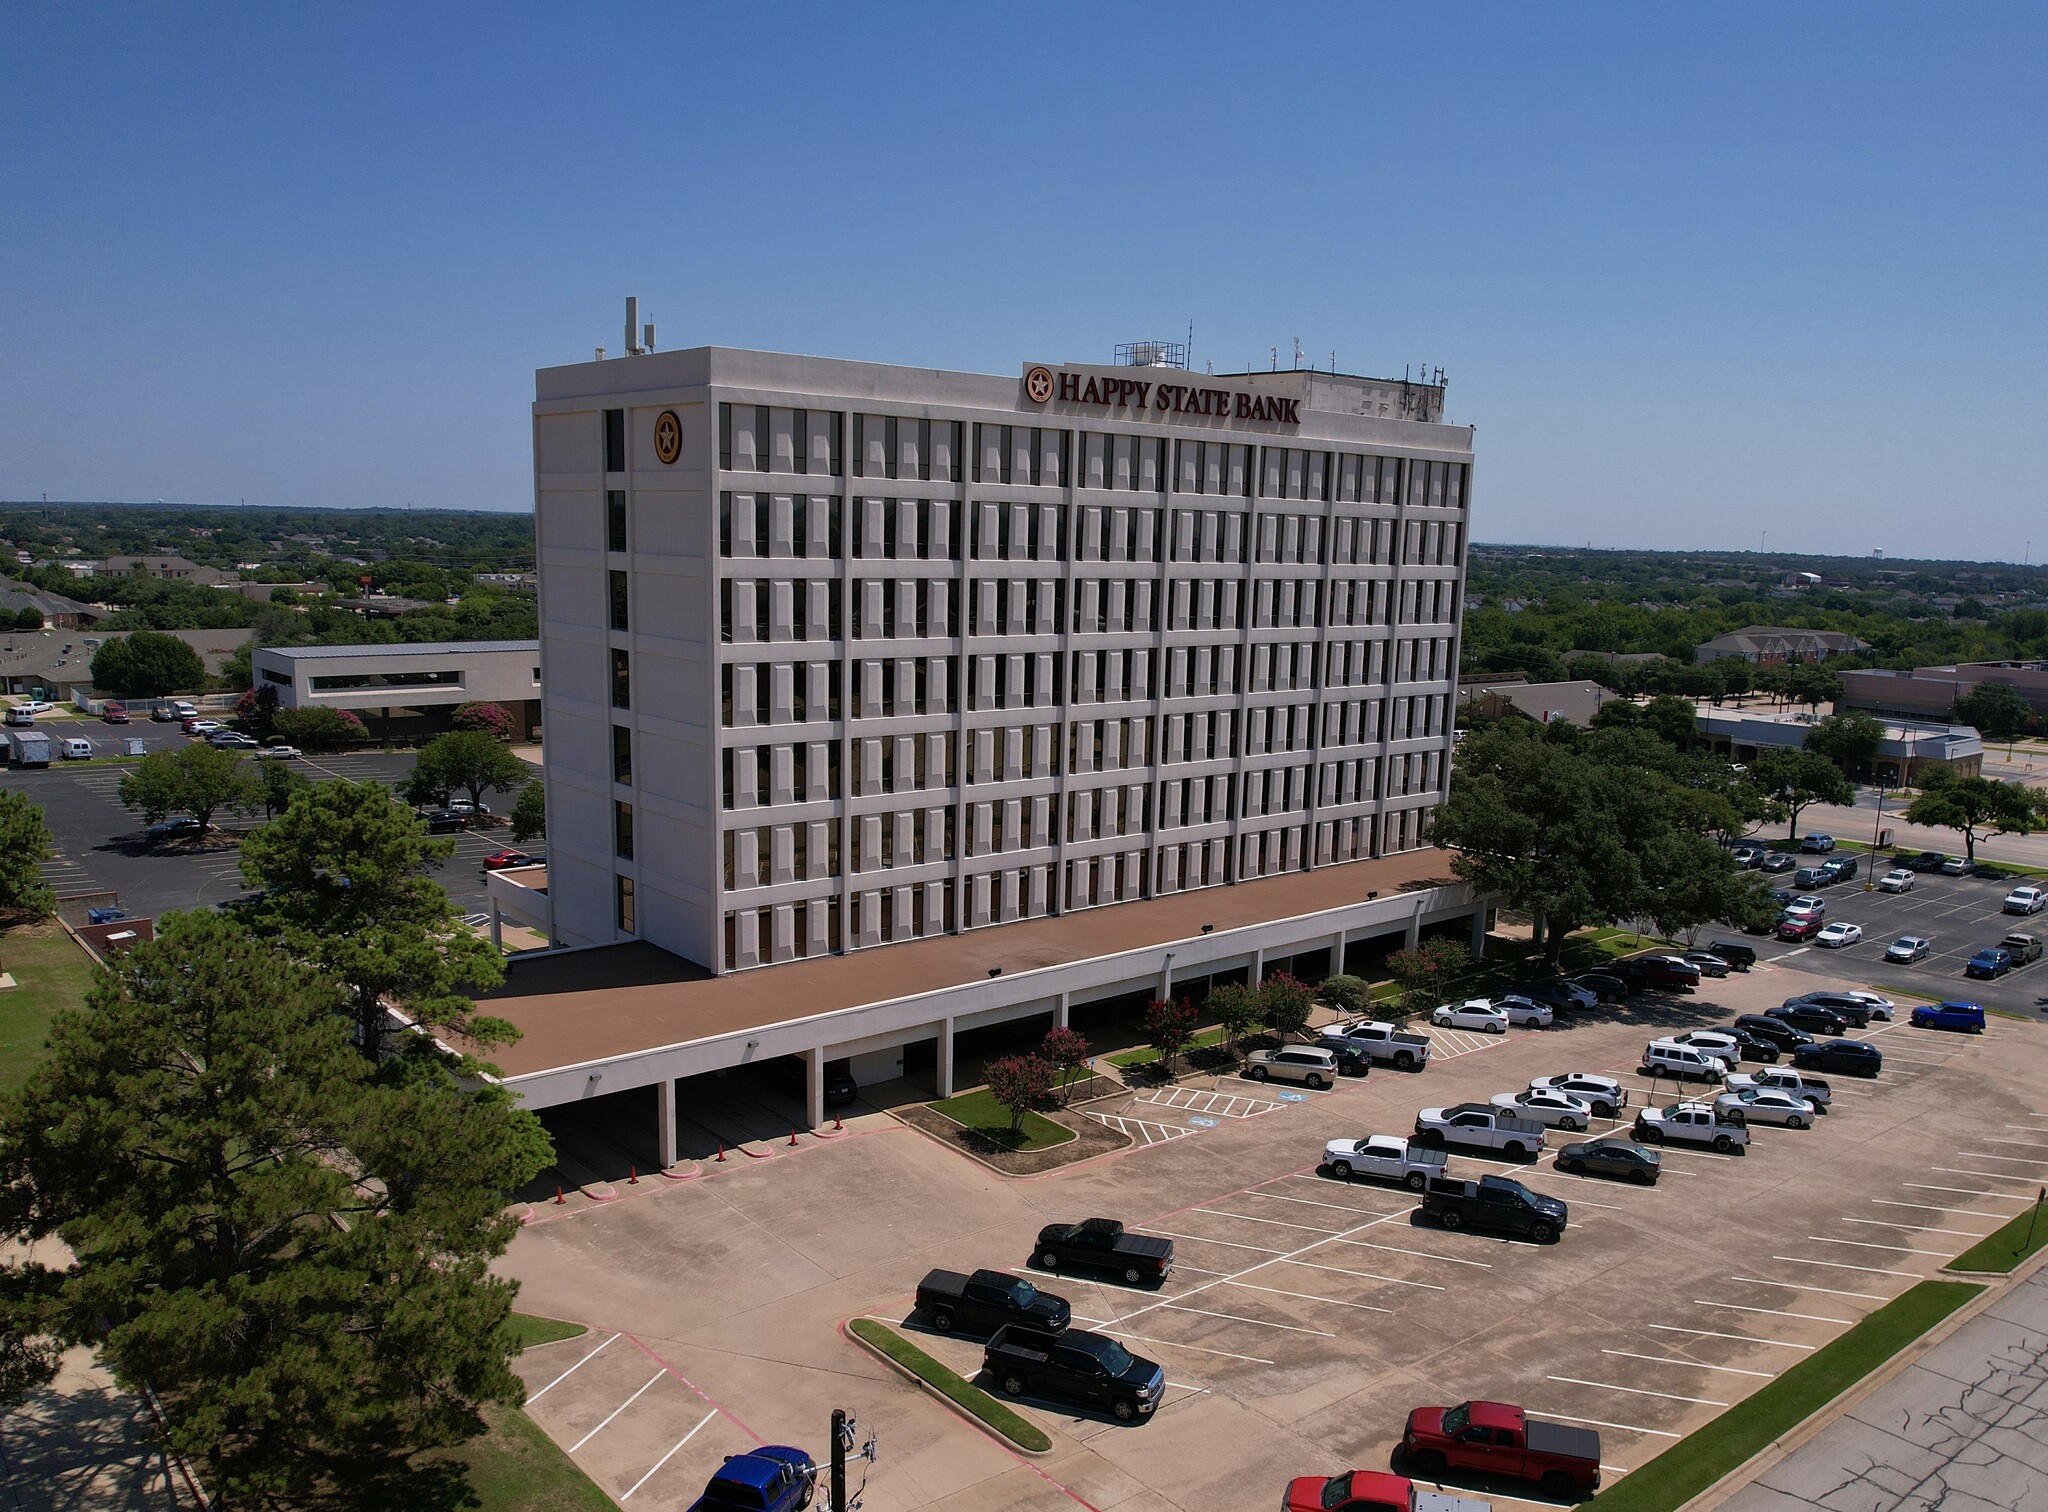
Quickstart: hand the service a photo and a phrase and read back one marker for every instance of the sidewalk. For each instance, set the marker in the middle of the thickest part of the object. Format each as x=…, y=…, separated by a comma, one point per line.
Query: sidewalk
x=83, y=1445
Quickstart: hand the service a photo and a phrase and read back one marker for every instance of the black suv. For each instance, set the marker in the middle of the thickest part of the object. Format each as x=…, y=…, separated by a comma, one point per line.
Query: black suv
x=1811, y=1017
x=1556, y=993
x=1755, y=1046
x=1852, y=1056
x=1926, y=861
x=1785, y=1036
x=1857, y=1013
x=1604, y=985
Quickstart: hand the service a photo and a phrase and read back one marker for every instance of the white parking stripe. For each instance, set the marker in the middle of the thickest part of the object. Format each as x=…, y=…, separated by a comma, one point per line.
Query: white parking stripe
x=1904, y=1249
x=1276, y=1222
x=616, y=1411
x=1363, y=1275
x=1694, y=1364
x=1566, y=1417
x=1868, y=1270
x=1825, y=1291
x=1396, y=1249
x=1336, y=1206
x=1196, y=1348
x=1240, y=1318
x=2008, y=1159
x=1930, y=1207
x=1636, y=1391
x=1708, y=1333
x=572, y=1370
x=1776, y=1312
x=1982, y=1175
x=1310, y=1297
x=1928, y=1186
x=670, y=1455
x=1919, y=1228
x=1264, y=1249
x=2018, y=1144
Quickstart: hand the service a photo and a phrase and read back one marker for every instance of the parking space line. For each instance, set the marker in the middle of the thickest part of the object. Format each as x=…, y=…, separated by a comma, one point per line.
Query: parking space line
x=1708, y=1333
x=1776, y=1312
x=1602, y=1423
x=1336, y=1206
x=617, y=1410
x=1396, y=1249
x=1363, y=1275
x=670, y=1455
x=1197, y=1348
x=2019, y=1144
x=1264, y=1249
x=572, y=1370
x=1869, y=1270
x=1825, y=1291
x=1240, y=1318
x=1985, y=1175
x=1930, y=1207
x=1310, y=1297
x=1276, y=1222
x=1905, y=1249
x=1694, y=1364
x=1636, y=1391
x=1920, y=1228
x=2008, y=1159
x=1928, y=1186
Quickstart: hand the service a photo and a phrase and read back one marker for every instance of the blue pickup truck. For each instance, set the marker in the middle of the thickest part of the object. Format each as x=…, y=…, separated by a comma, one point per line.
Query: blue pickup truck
x=1967, y=1017
x=773, y=1478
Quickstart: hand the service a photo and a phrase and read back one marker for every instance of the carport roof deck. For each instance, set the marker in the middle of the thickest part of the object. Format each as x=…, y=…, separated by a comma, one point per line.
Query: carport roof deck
x=592, y=1005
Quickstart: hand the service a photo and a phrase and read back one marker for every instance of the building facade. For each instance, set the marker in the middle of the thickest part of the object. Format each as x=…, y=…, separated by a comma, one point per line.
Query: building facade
x=1773, y=645
x=1931, y=692
x=406, y=689
x=840, y=654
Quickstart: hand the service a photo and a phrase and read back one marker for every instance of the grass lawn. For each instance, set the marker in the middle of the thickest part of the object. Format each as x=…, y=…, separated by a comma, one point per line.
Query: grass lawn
x=530, y=1330
x=1696, y=1462
x=980, y=1112
x=1145, y=1055
x=2004, y=1248
x=1017, y=1430
x=51, y=972
x=513, y=1465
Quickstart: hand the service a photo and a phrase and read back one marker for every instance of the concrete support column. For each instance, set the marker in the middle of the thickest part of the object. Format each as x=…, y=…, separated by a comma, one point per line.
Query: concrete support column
x=1479, y=932
x=497, y=929
x=945, y=1058
x=1258, y=965
x=1059, y=1013
x=1337, y=952
x=665, y=1121
x=814, y=1087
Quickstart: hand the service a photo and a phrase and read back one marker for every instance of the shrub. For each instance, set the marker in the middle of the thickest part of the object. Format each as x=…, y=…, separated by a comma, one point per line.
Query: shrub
x=492, y=719
x=319, y=729
x=1285, y=1003
x=1347, y=994
x=1020, y=1083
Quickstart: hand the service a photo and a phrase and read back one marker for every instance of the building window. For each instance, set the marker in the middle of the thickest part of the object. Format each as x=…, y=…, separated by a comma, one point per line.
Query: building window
x=622, y=899
x=618, y=586
x=614, y=440
x=622, y=680
x=622, y=830
x=615, y=518
x=622, y=754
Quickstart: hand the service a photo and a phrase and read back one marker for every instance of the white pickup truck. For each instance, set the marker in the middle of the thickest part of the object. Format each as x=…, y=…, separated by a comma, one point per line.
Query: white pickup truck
x=1692, y=1123
x=1387, y=1156
x=1399, y=1048
x=1782, y=1079
x=1480, y=1124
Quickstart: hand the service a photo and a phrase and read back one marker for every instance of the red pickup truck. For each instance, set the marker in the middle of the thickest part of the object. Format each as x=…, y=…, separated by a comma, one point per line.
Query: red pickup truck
x=1371, y=1491
x=1493, y=1438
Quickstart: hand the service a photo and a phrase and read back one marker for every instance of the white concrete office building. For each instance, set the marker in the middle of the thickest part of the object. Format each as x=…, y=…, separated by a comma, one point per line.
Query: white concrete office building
x=839, y=654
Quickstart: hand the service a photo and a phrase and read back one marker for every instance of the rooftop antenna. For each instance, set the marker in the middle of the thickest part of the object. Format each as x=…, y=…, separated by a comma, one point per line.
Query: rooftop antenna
x=1297, y=353
x=1276, y=358
x=632, y=320
x=1333, y=361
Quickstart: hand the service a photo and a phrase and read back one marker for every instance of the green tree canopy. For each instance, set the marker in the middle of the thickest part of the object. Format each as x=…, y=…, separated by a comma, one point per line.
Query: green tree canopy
x=530, y=813
x=1996, y=710
x=1788, y=782
x=468, y=761
x=147, y=664
x=294, y=1253
x=24, y=847
x=1849, y=739
x=1976, y=806
x=194, y=779
x=344, y=884
x=318, y=728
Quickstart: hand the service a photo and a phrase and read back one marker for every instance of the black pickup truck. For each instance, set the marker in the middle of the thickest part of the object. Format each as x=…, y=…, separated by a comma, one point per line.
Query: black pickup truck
x=989, y=1300
x=1494, y=1202
x=1075, y=1366
x=1102, y=1244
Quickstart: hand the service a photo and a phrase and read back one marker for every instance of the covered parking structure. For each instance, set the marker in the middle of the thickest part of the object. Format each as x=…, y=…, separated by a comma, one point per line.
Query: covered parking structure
x=620, y=1017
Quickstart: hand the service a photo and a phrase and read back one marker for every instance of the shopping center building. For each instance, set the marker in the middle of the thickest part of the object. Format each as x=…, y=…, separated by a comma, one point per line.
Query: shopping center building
x=888, y=700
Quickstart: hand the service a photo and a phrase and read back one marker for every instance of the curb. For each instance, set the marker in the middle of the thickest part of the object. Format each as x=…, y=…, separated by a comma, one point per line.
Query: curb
x=939, y=1396
x=1831, y=1411
x=684, y=1170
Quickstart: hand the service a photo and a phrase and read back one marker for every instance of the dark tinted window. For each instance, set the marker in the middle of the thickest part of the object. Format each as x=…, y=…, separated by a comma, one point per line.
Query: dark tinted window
x=614, y=440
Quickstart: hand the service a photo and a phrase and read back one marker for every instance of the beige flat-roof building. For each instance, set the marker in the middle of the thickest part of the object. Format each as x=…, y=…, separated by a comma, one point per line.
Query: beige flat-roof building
x=839, y=655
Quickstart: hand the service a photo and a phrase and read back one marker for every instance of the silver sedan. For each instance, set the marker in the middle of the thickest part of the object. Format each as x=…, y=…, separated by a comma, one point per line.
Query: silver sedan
x=1759, y=1106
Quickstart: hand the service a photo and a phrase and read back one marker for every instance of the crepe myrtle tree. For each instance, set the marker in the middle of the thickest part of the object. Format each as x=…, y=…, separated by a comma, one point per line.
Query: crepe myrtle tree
x=1238, y=1012
x=1169, y=1026
x=1067, y=1052
x=1285, y=1003
x=1021, y=1083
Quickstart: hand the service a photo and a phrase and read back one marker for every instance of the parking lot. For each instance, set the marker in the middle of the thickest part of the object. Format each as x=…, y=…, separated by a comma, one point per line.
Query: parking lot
x=99, y=844
x=1960, y=915
x=1305, y=1316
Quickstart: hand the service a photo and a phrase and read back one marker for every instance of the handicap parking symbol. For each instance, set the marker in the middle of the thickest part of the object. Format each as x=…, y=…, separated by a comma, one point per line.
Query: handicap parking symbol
x=1294, y=1097
x=1202, y=1123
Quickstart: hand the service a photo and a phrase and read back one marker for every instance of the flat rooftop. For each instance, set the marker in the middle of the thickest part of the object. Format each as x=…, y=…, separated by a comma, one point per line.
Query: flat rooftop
x=589, y=1005
x=397, y=648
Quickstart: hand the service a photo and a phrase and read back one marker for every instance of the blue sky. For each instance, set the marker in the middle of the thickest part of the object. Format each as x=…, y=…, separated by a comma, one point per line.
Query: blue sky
x=1695, y=272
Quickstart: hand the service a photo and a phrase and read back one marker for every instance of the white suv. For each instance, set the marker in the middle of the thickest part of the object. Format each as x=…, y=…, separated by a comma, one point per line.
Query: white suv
x=1669, y=1058
x=1724, y=1048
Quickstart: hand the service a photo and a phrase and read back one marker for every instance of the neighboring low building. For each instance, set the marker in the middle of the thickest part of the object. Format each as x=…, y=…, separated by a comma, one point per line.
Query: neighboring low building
x=406, y=690
x=262, y=593
x=1931, y=692
x=1906, y=750
x=59, y=662
x=1769, y=645
x=172, y=569
x=1573, y=702
x=58, y=612
x=510, y=582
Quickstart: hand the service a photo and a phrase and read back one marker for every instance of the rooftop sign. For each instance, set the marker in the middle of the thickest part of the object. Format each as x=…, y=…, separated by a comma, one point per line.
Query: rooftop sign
x=1112, y=389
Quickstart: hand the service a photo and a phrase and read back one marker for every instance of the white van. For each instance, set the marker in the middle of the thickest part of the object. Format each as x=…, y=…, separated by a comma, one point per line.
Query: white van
x=1665, y=1057
x=76, y=748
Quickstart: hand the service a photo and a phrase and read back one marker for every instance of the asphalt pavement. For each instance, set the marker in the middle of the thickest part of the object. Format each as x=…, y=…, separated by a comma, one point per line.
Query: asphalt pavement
x=100, y=845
